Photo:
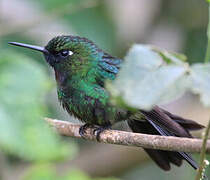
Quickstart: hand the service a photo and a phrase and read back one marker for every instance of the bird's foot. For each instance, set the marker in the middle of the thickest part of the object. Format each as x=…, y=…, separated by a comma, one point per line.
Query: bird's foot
x=97, y=131
x=83, y=129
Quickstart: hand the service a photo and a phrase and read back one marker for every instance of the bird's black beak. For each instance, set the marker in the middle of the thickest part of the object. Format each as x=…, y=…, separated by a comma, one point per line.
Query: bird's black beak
x=37, y=48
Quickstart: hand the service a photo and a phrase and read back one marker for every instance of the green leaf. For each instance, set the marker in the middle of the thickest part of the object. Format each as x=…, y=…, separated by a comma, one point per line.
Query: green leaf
x=207, y=56
x=51, y=5
x=79, y=175
x=48, y=172
x=41, y=171
x=76, y=175
x=145, y=80
x=170, y=57
x=200, y=77
x=109, y=178
x=23, y=85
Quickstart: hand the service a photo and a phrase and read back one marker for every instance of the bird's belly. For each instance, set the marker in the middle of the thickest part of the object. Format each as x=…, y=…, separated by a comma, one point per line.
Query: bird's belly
x=91, y=106
x=91, y=112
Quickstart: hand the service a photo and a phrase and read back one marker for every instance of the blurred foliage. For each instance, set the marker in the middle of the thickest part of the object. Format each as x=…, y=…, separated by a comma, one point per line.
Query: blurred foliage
x=169, y=73
x=87, y=18
x=47, y=172
x=195, y=46
x=24, y=81
x=191, y=23
x=96, y=25
x=23, y=131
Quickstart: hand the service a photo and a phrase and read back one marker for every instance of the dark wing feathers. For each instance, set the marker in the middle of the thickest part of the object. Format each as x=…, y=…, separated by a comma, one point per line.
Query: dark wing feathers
x=159, y=117
x=185, y=123
x=184, y=155
x=161, y=122
x=162, y=158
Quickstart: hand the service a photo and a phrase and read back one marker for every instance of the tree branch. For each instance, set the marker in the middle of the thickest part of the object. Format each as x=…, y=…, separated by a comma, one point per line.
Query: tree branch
x=132, y=139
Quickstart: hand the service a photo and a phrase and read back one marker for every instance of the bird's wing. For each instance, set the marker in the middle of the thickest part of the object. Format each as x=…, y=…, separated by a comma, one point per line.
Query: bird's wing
x=159, y=121
x=160, y=118
x=185, y=123
x=162, y=158
x=109, y=64
x=186, y=156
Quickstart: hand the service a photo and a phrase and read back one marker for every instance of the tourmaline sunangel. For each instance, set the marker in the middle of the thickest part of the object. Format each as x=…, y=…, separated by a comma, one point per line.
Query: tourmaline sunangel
x=81, y=69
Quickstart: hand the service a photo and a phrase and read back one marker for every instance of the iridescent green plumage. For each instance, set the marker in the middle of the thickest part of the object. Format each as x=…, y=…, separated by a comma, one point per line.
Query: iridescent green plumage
x=80, y=79
x=81, y=69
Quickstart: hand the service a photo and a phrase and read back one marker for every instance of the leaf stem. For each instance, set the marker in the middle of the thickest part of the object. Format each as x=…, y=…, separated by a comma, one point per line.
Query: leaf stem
x=207, y=56
x=202, y=154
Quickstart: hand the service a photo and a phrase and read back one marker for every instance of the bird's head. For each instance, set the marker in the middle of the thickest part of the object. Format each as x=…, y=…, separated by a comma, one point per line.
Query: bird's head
x=71, y=53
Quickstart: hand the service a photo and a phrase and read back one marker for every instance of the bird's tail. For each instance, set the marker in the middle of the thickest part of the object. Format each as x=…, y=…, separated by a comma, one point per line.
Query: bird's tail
x=161, y=122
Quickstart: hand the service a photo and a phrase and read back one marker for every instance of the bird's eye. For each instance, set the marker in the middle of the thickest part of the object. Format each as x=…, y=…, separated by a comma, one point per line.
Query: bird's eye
x=65, y=53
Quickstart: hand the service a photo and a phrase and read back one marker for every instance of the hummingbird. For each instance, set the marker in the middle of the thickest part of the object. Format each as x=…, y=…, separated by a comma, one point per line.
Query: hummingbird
x=81, y=69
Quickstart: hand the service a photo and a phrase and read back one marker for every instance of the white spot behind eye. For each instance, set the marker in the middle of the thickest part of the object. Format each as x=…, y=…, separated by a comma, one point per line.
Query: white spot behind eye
x=70, y=53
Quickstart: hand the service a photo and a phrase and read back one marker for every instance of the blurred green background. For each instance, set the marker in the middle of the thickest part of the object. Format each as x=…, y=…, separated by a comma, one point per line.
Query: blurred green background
x=29, y=149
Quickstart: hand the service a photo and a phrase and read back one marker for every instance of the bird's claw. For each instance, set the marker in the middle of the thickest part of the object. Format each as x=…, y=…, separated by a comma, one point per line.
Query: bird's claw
x=83, y=129
x=97, y=131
